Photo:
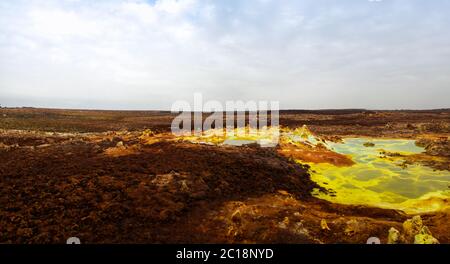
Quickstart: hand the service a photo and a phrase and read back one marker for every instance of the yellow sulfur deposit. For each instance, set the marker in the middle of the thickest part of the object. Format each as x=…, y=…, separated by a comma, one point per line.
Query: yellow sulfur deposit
x=381, y=180
x=364, y=171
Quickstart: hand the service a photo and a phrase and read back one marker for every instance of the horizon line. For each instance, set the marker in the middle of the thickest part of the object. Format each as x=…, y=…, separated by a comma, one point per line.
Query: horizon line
x=164, y=110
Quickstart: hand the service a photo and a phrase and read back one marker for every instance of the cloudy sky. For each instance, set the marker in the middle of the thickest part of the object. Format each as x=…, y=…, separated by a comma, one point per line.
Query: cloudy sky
x=308, y=54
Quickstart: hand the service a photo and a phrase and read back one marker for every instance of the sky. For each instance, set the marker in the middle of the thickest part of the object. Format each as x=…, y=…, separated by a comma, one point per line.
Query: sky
x=306, y=54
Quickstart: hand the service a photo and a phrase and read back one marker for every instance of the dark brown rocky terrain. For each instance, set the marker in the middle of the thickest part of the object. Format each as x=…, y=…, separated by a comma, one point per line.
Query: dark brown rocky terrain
x=100, y=176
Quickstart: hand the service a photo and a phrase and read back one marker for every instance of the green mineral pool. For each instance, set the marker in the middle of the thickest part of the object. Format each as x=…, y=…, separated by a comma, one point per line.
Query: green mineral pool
x=375, y=180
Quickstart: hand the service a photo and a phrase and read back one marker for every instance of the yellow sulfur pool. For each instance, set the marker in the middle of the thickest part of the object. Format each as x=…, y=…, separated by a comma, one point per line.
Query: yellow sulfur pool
x=376, y=180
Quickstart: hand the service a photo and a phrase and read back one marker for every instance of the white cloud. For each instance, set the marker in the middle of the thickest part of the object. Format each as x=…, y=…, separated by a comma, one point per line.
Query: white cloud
x=308, y=54
x=60, y=23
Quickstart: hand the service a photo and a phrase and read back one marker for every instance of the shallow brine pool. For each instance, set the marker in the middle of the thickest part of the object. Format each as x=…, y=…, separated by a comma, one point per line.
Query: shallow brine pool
x=379, y=181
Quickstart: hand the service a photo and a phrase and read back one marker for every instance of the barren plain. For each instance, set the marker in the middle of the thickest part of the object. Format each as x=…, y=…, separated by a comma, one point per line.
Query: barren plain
x=122, y=177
